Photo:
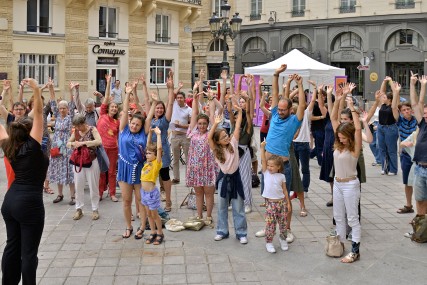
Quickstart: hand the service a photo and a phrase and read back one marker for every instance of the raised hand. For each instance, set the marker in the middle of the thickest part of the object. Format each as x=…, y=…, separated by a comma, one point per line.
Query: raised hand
x=202, y=74
x=142, y=78
x=224, y=74
x=290, y=78
x=157, y=131
x=180, y=85
x=154, y=96
x=196, y=85
x=298, y=79
x=73, y=85
x=396, y=86
x=364, y=117
x=135, y=84
x=108, y=77
x=350, y=103
x=169, y=83
x=423, y=79
x=128, y=89
x=261, y=81
x=237, y=108
x=351, y=86
x=170, y=75
x=280, y=69
x=329, y=89
x=346, y=89
x=311, y=82
x=414, y=78
x=6, y=84
x=31, y=82
x=97, y=94
x=218, y=119
x=263, y=143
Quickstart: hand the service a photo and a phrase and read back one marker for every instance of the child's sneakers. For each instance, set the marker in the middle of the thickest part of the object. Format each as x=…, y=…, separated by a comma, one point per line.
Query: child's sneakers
x=283, y=244
x=270, y=248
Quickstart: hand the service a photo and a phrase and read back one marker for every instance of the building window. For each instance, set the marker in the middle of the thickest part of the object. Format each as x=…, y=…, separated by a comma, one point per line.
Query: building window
x=405, y=38
x=38, y=66
x=159, y=69
x=162, y=29
x=107, y=22
x=401, y=72
x=255, y=44
x=347, y=40
x=299, y=42
x=38, y=16
x=256, y=10
x=217, y=7
x=405, y=4
x=348, y=6
x=217, y=45
x=298, y=7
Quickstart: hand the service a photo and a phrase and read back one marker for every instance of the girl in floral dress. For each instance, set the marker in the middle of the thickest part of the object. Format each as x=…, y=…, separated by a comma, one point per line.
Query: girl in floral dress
x=60, y=170
x=201, y=166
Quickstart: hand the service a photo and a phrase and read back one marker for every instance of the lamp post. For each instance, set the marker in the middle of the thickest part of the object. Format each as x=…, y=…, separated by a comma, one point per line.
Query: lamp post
x=220, y=26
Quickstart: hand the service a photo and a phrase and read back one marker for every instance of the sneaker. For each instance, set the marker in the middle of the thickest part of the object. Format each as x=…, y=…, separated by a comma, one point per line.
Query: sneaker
x=382, y=172
x=270, y=248
x=95, y=215
x=248, y=209
x=220, y=237
x=305, y=195
x=391, y=174
x=243, y=240
x=374, y=163
x=78, y=215
x=229, y=208
x=333, y=232
x=283, y=244
x=408, y=234
x=290, y=238
x=260, y=233
x=350, y=236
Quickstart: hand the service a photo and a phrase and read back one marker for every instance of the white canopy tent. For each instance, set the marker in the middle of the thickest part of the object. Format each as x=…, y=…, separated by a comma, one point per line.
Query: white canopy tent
x=301, y=64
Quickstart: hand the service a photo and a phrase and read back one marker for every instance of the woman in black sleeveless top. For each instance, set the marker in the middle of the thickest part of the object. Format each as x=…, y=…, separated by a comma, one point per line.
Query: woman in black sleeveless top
x=23, y=209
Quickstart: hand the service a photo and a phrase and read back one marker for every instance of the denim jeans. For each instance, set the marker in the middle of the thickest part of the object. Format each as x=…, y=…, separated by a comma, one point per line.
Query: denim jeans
x=319, y=139
x=387, y=136
x=302, y=154
x=374, y=145
x=239, y=217
x=420, y=184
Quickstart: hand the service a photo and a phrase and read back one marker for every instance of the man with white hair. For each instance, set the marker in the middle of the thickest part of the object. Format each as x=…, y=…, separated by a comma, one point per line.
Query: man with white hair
x=88, y=110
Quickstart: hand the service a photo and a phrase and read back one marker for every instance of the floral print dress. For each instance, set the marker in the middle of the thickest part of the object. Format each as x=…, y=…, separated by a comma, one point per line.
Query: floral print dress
x=60, y=170
x=202, y=169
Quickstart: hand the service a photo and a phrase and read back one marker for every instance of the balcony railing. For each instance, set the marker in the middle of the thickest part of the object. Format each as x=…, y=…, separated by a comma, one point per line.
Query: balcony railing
x=254, y=17
x=195, y=2
x=298, y=13
x=405, y=4
x=347, y=9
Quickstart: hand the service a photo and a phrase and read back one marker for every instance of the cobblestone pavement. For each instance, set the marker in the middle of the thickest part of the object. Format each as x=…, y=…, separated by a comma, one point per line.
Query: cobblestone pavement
x=93, y=252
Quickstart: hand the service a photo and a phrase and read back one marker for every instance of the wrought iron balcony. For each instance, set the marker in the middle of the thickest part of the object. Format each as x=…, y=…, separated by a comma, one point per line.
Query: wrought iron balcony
x=195, y=2
x=347, y=9
x=298, y=13
x=405, y=4
x=254, y=17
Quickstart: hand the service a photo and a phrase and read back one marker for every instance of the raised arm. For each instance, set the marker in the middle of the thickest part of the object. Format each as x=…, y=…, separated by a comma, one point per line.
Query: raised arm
x=224, y=75
x=3, y=110
x=159, y=144
x=387, y=80
x=145, y=93
x=216, y=122
x=313, y=101
x=357, y=126
x=169, y=106
x=263, y=157
x=367, y=135
x=147, y=125
x=329, y=90
x=21, y=91
x=262, y=104
x=287, y=87
x=301, y=99
x=334, y=114
x=37, y=129
x=79, y=105
x=239, y=83
x=373, y=109
x=195, y=110
x=124, y=118
x=275, y=91
x=413, y=90
x=422, y=92
x=107, y=97
x=395, y=87
x=236, y=132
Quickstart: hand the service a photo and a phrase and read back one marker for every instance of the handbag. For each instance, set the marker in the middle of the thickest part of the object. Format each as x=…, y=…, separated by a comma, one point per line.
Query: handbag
x=103, y=161
x=419, y=226
x=81, y=157
x=194, y=224
x=190, y=200
x=333, y=247
x=54, y=152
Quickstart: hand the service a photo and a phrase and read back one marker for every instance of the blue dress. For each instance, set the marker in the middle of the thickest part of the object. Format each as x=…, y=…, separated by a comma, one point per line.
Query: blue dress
x=129, y=168
x=328, y=152
x=163, y=124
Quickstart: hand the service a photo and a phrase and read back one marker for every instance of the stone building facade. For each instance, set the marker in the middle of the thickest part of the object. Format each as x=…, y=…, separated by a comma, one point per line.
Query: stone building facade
x=391, y=34
x=82, y=40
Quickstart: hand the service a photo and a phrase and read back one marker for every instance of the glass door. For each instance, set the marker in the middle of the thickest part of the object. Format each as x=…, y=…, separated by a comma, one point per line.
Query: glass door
x=100, y=79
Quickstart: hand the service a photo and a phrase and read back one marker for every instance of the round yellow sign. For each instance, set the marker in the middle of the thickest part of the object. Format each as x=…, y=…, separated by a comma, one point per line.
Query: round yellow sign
x=373, y=76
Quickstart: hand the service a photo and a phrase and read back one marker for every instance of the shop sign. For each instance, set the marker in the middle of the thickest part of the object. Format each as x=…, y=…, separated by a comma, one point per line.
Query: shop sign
x=108, y=48
x=107, y=60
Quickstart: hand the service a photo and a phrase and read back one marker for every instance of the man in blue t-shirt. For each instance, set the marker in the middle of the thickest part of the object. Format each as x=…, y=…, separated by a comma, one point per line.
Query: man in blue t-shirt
x=283, y=126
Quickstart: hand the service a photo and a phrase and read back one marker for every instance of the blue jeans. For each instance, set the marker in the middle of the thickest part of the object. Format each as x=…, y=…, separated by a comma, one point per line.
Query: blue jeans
x=287, y=170
x=239, y=217
x=319, y=139
x=420, y=184
x=374, y=145
x=387, y=136
x=302, y=154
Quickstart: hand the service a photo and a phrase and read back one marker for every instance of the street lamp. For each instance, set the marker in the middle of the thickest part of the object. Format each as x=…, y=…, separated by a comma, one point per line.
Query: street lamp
x=220, y=26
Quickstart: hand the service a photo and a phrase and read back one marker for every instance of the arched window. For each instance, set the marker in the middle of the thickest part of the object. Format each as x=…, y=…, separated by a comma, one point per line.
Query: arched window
x=300, y=42
x=217, y=45
x=405, y=38
x=255, y=43
x=347, y=40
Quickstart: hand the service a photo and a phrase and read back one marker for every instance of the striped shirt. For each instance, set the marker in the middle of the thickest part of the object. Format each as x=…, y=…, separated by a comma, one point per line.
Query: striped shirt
x=406, y=128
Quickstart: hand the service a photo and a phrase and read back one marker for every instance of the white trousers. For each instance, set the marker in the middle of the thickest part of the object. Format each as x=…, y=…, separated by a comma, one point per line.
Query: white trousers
x=92, y=176
x=346, y=200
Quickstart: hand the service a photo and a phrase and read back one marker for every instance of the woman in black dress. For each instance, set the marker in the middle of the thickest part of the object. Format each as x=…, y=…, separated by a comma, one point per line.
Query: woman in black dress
x=23, y=209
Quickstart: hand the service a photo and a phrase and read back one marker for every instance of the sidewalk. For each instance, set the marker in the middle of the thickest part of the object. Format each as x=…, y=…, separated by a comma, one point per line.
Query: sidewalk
x=93, y=252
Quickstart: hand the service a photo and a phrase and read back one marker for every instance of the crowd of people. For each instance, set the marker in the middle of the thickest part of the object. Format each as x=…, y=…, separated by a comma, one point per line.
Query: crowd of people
x=143, y=140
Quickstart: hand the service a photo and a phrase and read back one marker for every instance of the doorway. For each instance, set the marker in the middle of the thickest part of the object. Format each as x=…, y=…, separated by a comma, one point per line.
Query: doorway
x=101, y=82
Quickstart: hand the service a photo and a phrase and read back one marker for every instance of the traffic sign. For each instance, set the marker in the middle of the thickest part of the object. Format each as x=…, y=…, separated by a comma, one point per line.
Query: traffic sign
x=363, y=67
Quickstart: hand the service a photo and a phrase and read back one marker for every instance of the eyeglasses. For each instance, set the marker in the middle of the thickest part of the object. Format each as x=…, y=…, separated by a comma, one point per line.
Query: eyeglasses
x=282, y=110
x=19, y=109
x=223, y=137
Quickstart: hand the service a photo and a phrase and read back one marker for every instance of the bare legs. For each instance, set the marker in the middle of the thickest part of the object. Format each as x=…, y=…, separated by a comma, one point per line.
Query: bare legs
x=204, y=192
x=127, y=193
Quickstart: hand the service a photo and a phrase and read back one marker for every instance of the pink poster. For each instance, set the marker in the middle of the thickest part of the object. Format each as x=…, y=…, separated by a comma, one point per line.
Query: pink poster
x=258, y=113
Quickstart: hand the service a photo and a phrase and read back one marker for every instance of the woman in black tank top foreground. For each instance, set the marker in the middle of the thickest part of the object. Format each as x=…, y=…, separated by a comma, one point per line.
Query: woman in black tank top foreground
x=23, y=209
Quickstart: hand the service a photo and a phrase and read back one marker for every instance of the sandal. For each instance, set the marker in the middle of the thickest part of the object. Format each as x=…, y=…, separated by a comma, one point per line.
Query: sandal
x=151, y=239
x=159, y=239
x=405, y=210
x=139, y=233
x=73, y=201
x=48, y=190
x=303, y=213
x=128, y=232
x=58, y=199
x=351, y=257
x=132, y=217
